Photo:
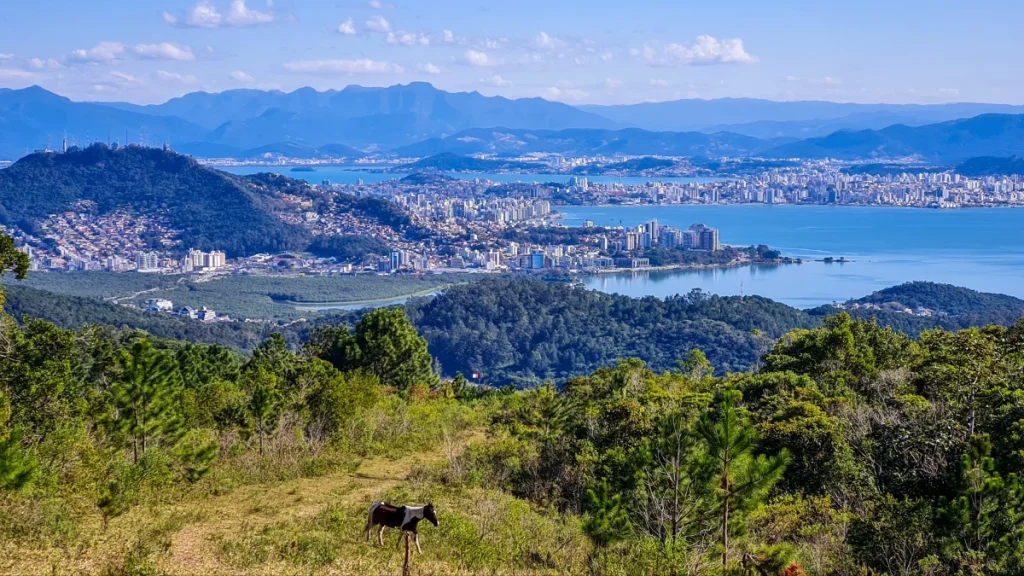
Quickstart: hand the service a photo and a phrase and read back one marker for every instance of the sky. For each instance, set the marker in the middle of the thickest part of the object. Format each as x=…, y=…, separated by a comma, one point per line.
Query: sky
x=574, y=51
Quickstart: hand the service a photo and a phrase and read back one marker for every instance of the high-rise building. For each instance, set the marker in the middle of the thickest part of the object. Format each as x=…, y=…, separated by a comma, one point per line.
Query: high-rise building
x=653, y=229
x=147, y=261
x=632, y=241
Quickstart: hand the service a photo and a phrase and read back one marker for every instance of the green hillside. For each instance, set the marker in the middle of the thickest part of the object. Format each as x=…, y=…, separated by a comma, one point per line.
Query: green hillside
x=212, y=210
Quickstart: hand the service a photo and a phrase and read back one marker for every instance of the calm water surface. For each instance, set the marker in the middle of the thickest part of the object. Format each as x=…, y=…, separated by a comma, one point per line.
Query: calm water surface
x=981, y=249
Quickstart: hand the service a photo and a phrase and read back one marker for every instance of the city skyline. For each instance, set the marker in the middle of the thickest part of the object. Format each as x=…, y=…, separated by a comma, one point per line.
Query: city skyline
x=579, y=54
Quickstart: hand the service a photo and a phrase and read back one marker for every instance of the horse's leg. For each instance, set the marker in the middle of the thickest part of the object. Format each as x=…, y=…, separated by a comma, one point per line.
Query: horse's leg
x=380, y=535
x=416, y=538
x=401, y=535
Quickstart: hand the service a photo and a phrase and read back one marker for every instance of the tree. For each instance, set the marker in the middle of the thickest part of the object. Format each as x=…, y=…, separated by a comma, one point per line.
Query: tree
x=676, y=489
x=144, y=399
x=744, y=478
x=264, y=404
x=392, y=350
x=963, y=368
x=607, y=521
x=11, y=260
x=336, y=345
x=17, y=467
x=985, y=517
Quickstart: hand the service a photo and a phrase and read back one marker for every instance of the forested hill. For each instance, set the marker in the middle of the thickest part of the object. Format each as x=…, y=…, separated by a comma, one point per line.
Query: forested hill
x=211, y=209
x=522, y=331
x=933, y=306
x=525, y=331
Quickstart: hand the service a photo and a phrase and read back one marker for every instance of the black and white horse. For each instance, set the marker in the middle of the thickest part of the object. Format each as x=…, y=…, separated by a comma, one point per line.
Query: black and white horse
x=405, y=517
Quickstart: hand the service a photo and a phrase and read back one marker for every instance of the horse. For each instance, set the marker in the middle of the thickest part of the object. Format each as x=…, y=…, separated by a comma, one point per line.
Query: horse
x=405, y=517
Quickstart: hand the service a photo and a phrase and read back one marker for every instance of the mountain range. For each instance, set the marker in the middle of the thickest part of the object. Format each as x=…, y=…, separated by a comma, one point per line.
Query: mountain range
x=418, y=120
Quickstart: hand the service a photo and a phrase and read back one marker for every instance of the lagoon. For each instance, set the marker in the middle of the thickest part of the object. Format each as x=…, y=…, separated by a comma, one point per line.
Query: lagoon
x=979, y=248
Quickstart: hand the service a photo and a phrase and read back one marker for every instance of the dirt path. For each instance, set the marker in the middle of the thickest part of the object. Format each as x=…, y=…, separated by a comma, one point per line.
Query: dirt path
x=250, y=508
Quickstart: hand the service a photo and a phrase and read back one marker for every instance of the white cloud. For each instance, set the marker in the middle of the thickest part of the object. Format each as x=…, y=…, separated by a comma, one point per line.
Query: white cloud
x=10, y=74
x=447, y=37
x=362, y=66
x=6, y=56
x=556, y=93
x=376, y=4
x=607, y=56
x=378, y=24
x=612, y=83
x=242, y=77
x=44, y=64
x=165, y=76
x=428, y=68
x=825, y=81
x=239, y=15
x=476, y=58
x=408, y=39
x=202, y=15
x=706, y=50
x=163, y=51
x=659, y=82
x=124, y=77
x=497, y=81
x=102, y=52
x=347, y=27
x=206, y=15
x=543, y=41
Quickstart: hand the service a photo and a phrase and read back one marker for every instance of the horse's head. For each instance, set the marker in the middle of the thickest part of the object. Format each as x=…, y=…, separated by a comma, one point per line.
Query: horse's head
x=429, y=514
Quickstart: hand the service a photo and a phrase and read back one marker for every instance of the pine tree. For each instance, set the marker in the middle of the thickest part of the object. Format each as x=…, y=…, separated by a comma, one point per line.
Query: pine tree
x=744, y=478
x=264, y=405
x=392, y=350
x=607, y=521
x=986, y=516
x=144, y=400
x=17, y=467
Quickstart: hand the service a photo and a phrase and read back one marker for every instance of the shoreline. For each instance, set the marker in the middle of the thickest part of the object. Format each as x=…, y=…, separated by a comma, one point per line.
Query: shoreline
x=691, y=267
x=559, y=216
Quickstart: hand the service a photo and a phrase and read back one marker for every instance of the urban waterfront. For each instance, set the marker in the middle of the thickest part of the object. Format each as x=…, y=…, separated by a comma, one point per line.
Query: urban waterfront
x=980, y=248
x=346, y=174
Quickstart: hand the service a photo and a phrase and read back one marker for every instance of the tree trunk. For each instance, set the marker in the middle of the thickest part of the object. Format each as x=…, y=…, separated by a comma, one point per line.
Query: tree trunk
x=725, y=536
x=970, y=424
x=725, y=511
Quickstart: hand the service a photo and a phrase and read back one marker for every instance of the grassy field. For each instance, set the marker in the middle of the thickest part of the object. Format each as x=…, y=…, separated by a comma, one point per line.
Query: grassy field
x=313, y=525
x=262, y=297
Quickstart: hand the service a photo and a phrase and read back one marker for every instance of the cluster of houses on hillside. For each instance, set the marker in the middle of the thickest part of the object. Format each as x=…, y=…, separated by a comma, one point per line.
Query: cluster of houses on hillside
x=203, y=314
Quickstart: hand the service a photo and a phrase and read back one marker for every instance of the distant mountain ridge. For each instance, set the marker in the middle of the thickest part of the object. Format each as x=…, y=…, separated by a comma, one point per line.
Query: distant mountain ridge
x=419, y=120
x=985, y=135
x=772, y=119
x=367, y=117
x=33, y=118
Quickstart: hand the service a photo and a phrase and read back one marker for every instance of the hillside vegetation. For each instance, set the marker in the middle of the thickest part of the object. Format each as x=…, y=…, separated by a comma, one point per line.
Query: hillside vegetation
x=851, y=449
x=212, y=210
x=510, y=331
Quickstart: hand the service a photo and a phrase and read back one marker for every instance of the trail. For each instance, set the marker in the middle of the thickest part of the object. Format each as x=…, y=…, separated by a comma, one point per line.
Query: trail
x=249, y=508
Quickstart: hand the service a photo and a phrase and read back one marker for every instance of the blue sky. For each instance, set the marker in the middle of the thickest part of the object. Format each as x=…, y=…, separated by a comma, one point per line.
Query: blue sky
x=595, y=51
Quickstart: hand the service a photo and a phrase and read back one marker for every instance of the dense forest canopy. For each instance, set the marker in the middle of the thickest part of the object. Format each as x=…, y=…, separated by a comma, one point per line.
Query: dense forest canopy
x=524, y=331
